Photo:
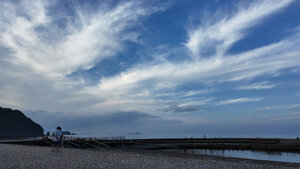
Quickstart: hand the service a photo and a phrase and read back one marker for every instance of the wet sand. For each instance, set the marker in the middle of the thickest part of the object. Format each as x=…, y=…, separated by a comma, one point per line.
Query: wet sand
x=20, y=156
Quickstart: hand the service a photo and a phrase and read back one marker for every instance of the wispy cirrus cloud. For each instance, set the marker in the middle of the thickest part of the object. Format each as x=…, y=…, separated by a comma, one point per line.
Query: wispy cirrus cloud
x=87, y=37
x=213, y=39
x=279, y=107
x=258, y=86
x=238, y=100
x=182, y=108
x=42, y=47
x=187, y=106
x=92, y=35
x=266, y=60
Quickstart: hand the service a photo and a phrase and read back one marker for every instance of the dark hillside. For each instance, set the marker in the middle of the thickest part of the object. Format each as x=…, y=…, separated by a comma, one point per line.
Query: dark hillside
x=14, y=124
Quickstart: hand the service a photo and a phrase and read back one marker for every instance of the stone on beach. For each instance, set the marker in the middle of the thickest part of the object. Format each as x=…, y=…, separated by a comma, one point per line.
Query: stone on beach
x=20, y=156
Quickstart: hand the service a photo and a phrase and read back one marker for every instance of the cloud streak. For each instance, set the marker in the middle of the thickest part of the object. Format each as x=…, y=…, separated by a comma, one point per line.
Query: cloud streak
x=216, y=38
x=238, y=100
x=279, y=107
x=258, y=86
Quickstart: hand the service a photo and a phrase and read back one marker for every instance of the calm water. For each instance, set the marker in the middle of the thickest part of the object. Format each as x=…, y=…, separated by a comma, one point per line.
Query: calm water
x=177, y=135
x=248, y=154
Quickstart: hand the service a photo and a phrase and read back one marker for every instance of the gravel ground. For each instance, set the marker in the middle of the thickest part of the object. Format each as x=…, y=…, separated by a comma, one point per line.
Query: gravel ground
x=19, y=156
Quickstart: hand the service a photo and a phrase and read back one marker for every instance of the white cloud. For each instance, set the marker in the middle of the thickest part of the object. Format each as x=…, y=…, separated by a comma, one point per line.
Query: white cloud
x=198, y=92
x=86, y=39
x=209, y=68
x=42, y=47
x=258, y=86
x=279, y=107
x=217, y=38
x=39, y=67
x=266, y=60
x=238, y=100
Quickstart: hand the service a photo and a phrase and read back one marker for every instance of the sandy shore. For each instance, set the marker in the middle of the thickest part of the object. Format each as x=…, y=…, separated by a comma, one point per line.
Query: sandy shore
x=18, y=156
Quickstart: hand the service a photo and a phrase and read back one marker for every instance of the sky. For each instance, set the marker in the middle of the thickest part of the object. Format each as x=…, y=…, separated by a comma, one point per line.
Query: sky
x=161, y=68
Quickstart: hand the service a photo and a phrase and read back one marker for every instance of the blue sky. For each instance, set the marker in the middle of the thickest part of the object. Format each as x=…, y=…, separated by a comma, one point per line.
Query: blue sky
x=182, y=67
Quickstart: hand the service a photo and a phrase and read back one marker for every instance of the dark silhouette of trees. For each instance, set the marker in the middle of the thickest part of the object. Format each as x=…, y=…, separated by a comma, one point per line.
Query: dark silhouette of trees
x=14, y=124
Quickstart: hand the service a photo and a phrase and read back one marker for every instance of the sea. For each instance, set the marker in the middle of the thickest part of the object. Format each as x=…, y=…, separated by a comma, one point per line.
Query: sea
x=139, y=135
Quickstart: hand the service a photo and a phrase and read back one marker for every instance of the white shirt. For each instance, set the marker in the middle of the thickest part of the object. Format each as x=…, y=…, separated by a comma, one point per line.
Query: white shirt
x=57, y=135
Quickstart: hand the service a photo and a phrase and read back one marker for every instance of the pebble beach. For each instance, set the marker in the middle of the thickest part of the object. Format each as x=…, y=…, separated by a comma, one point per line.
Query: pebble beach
x=23, y=156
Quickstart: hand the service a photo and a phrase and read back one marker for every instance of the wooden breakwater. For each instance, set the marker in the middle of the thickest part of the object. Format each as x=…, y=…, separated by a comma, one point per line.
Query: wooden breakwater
x=70, y=142
x=171, y=143
x=221, y=143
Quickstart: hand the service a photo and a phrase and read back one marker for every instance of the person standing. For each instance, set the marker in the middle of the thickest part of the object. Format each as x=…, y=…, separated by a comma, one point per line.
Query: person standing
x=58, y=138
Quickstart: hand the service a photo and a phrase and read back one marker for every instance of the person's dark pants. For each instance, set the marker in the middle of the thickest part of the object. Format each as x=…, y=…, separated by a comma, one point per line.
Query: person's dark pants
x=58, y=144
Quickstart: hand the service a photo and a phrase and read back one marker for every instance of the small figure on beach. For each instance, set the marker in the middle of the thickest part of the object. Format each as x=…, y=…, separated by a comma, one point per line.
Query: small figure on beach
x=58, y=138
